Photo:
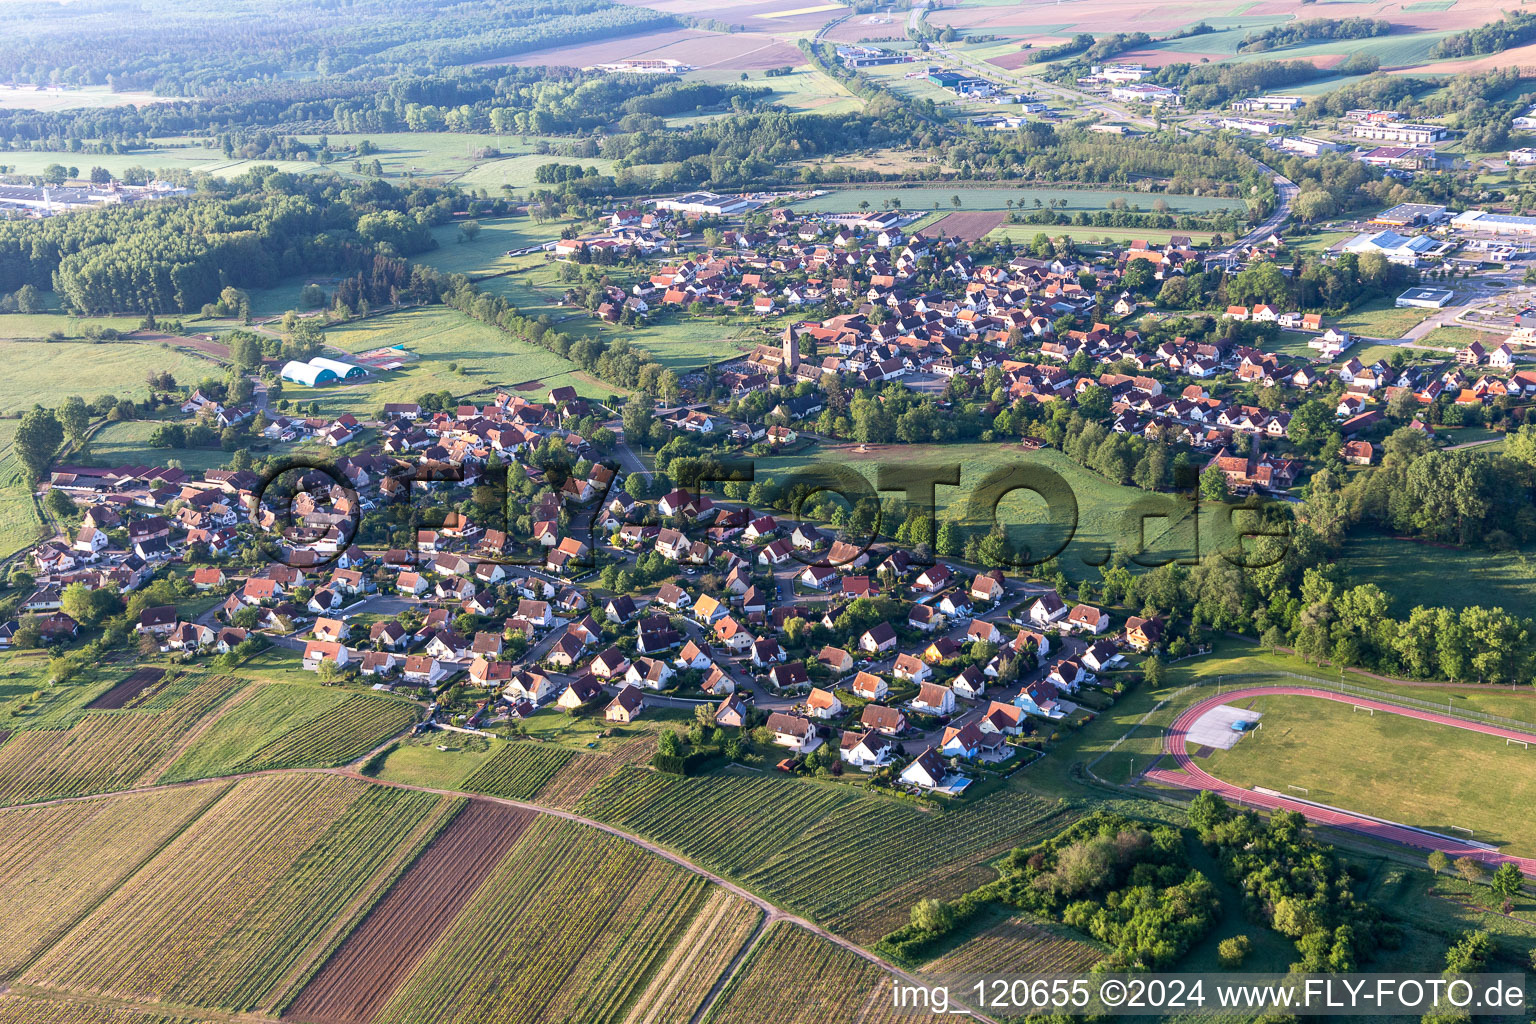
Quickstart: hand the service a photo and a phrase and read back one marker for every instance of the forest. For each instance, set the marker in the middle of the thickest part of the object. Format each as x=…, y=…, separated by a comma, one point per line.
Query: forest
x=112, y=43
x=175, y=255
x=1294, y=33
x=1514, y=29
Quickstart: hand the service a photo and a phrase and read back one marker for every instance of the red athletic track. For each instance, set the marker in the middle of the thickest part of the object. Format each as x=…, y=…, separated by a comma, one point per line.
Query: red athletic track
x=1196, y=778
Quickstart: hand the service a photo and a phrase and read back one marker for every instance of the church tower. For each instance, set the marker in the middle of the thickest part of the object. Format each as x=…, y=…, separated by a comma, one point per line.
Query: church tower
x=791, y=351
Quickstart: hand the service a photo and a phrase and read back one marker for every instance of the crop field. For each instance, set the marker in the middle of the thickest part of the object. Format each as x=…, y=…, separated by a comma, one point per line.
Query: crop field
x=243, y=900
x=21, y=525
x=519, y=770
x=1419, y=773
x=26, y=1008
x=292, y=726
x=804, y=843
x=701, y=955
x=881, y=914
x=992, y=198
x=47, y=371
x=796, y=977
x=138, y=687
x=364, y=972
x=105, y=750
x=1025, y=233
x=578, y=941
x=1017, y=947
x=59, y=861
x=1381, y=319
x=568, y=785
x=1108, y=516
x=342, y=734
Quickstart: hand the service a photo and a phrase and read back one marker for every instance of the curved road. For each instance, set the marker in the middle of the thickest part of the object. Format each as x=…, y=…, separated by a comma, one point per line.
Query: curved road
x=1195, y=777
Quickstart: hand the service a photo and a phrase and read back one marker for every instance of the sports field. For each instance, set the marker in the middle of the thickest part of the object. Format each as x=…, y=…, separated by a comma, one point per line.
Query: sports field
x=1413, y=772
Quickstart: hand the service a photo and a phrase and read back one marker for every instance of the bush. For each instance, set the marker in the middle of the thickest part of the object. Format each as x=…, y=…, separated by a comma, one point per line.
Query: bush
x=1232, y=952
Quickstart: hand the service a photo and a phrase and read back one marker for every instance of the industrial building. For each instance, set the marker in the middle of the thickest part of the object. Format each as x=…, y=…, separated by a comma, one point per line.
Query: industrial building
x=1413, y=134
x=1494, y=223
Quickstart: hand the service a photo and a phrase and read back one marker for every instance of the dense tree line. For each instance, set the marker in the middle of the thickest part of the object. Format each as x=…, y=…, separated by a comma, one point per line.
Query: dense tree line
x=176, y=255
x=1294, y=33
x=1514, y=29
x=167, y=49
x=1212, y=85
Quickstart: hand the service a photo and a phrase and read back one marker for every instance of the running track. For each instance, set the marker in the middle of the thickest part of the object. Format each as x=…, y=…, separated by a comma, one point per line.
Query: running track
x=1195, y=778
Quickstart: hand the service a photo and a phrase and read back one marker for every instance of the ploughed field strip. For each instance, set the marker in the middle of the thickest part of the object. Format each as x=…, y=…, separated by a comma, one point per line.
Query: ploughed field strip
x=246, y=896
x=367, y=968
x=137, y=688
x=573, y=924
x=105, y=750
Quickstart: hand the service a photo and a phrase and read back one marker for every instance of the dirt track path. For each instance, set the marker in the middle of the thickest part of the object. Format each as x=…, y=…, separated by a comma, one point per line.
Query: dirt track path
x=771, y=912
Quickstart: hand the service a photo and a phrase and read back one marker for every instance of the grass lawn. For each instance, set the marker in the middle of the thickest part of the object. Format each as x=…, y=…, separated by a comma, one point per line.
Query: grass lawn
x=127, y=443
x=1461, y=337
x=1108, y=515
x=487, y=254
x=46, y=372
x=15, y=326
x=1318, y=243
x=486, y=359
x=674, y=338
x=1291, y=343
x=420, y=762
x=20, y=523
x=1381, y=319
x=1423, y=574
x=1418, y=773
x=249, y=726
x=994, y=198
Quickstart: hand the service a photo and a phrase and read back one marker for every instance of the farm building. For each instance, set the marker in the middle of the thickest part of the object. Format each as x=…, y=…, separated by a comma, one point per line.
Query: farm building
x=320, y=370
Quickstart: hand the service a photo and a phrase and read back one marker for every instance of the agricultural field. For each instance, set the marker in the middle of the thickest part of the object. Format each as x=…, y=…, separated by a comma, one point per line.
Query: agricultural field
x=292, y=726
x=487, y=252
x=993, y=198
x=807, y=850
x=830, y=985
x=1419, y=773
x=1015, y=947
x=20, y=1008
x=1108, y=515
x=60, y=860
x=105, y=750
x=519, y=770
x=47, y=371
x=239, y=906
x=1025, y=233
x=365, y=970
x=579, y=941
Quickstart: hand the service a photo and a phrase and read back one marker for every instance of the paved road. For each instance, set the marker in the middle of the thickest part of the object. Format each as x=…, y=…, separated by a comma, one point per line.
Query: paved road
x=1286, y=190
x=1195, y=777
